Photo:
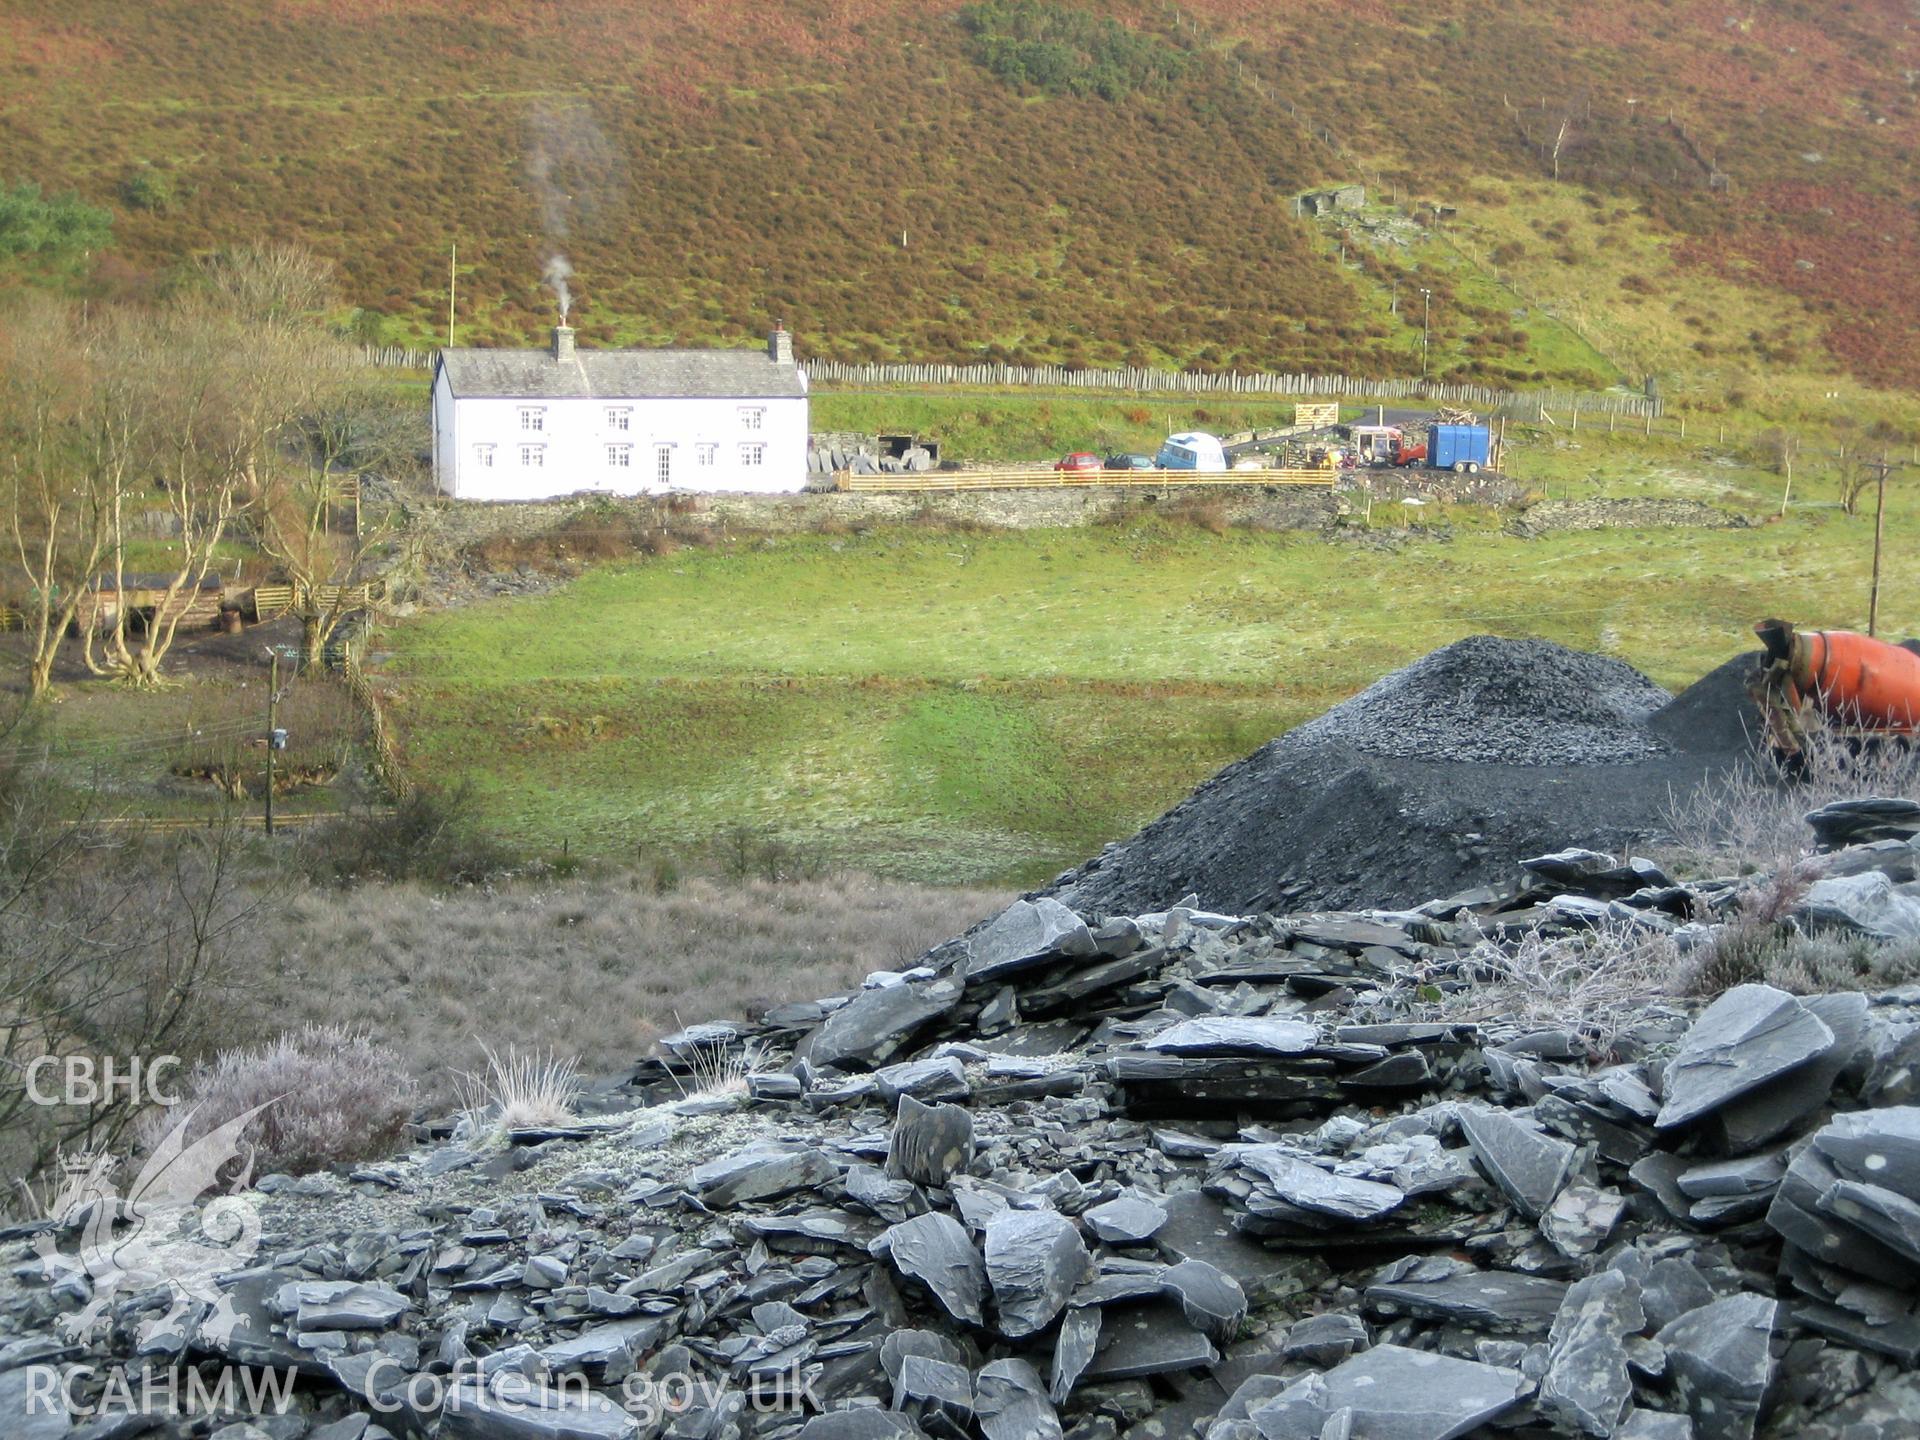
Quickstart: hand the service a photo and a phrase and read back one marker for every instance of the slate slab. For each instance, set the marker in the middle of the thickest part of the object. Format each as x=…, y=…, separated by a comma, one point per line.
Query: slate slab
x=1437, y=1288
x=863, y=1424
x=1587, y=1387
x=1325, y=1340
x=1026, y=932
x=1011, y=1404
x=929, y=1143
x=1073, y=1350
x=1035, y=1259
x=1530, y=1168
x=1199, y=1228
x=1151, y=1339
x=1750, y=1035
x=1868, y=904
x=1302, y=1183
x=1879, y=1147
x=604, y=1346
x=1394, y=1393
x=342, y=1305
x=1234, y=1035
x=928, y=1080
x=1776, y=1108
x=935, y=1250
x=759, y=1173
x=1126, y=1220
x=1209, y=1298
x=1721, y=1361
x=936, y=1382
x=525, y=1411
x=874, y=1025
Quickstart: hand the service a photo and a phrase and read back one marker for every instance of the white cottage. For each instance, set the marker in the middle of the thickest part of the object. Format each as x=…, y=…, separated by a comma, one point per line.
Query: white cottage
x=532, y=424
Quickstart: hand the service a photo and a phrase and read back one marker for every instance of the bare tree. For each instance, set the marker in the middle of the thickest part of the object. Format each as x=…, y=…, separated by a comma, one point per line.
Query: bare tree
x=227, y=370
x=1858, y=471
x=300, y=516
x=69, y=432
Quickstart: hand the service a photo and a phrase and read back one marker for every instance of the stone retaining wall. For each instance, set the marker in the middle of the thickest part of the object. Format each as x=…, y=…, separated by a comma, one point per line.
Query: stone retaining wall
x=447, y=525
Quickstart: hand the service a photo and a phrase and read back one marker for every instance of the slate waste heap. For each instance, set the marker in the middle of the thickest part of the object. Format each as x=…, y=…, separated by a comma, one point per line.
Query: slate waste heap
x=1180, y=1174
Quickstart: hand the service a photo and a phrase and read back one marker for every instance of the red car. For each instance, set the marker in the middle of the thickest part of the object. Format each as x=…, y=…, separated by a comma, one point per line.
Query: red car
x=1079, y=460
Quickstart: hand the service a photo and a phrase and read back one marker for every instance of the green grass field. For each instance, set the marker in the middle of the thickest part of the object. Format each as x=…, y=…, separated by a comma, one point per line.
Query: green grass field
x=992, y=708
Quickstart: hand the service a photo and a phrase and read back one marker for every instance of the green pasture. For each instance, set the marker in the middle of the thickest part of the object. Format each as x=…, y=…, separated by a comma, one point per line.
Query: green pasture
x=996, y=707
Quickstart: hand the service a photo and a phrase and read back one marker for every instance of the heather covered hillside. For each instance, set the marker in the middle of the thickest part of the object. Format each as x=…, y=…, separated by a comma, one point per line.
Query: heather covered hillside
x=1069, y=180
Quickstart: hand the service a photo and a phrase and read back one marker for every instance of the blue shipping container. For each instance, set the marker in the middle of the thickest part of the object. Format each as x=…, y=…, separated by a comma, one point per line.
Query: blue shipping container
x=1451, y=445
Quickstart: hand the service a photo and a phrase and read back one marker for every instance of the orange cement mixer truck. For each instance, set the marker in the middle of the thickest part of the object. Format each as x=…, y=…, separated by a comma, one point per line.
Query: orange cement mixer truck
x=1850, y=683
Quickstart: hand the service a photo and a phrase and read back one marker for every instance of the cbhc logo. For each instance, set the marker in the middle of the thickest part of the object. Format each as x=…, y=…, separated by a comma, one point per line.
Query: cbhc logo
x=81, y=1080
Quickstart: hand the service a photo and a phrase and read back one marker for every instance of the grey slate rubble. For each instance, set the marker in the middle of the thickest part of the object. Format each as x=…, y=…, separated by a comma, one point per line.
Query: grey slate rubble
x=1167, y=1175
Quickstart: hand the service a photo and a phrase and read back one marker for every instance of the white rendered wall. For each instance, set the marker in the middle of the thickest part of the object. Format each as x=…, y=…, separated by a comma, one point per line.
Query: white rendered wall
x=575, y=435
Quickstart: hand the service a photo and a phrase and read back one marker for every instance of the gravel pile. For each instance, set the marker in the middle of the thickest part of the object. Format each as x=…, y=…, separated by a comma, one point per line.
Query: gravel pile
x=1434, y=780
x=1507, y=702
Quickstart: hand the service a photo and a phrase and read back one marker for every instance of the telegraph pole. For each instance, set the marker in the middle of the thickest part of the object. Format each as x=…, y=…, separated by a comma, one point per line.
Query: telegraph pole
x=453, y=261
x=273, y=699
x=1880, y=468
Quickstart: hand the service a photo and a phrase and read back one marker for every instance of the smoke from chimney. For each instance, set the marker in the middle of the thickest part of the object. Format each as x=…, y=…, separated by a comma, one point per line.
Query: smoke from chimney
x=557, y=273
x=575, y=175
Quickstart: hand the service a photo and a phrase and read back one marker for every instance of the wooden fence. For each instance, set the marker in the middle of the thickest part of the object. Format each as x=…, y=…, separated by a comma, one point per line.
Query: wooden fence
x=1197, y=382
x=271, y=600
x=1056, y=479
x=398, y=357
x=173, y=823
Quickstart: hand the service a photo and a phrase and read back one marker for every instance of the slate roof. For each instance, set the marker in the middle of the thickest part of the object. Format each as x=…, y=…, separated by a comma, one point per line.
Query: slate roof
x=621, y=374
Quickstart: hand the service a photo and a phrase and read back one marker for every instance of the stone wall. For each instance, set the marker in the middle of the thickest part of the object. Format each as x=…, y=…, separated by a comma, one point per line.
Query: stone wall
x=1622, y=514
x=447, y=525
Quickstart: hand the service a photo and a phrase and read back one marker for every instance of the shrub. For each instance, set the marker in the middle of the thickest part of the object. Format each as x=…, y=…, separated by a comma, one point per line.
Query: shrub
x=145, y=188
x=1202, y=512
x=1752, y=952
x=744, y=853
x=109, y=945
x=1065, y=51
x=719, y=1072
x=331, y=1096
x=1584, y=982
x=33, y=224
x=1754, y=815
x=430, y=835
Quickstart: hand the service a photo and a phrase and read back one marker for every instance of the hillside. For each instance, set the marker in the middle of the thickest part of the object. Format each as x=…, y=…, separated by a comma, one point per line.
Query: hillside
x=908, y=181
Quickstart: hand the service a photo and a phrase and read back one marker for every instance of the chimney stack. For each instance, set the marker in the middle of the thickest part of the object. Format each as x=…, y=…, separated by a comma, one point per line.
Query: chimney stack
x=780, y=344
x=562, y=342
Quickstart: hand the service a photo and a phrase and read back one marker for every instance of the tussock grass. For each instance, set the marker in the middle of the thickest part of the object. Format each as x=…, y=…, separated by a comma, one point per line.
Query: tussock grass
x=719, y=1073
x=518, y=1088
x=592, y=969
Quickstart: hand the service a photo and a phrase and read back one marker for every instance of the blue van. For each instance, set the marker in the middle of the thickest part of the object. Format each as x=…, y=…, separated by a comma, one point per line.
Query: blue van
x=1193, y=450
